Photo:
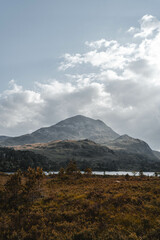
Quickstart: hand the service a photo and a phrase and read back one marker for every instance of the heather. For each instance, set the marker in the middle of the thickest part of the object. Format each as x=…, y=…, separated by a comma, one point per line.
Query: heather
x=72, y=206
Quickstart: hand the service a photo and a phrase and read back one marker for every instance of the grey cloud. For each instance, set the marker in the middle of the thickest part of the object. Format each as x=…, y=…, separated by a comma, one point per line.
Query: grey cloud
x=142, y=68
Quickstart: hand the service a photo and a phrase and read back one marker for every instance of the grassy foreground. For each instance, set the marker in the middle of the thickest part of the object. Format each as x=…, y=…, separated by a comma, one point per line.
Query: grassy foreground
x=78, y=207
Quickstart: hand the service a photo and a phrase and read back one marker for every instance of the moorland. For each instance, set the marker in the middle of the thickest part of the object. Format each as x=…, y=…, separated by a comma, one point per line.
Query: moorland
x=75, y=206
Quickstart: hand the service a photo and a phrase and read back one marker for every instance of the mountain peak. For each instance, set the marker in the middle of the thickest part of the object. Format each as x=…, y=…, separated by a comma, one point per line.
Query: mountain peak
x=76, y=118
x=79, y=118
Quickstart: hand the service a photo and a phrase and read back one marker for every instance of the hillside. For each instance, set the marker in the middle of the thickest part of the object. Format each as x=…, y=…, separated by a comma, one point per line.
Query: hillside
x=75, y=128
x=89, y=154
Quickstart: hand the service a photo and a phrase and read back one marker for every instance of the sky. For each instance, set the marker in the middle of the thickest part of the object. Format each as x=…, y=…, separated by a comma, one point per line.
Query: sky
x=96, y=58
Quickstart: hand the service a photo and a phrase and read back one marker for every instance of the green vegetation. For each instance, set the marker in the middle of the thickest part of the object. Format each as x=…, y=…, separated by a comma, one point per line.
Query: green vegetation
x=75, y=206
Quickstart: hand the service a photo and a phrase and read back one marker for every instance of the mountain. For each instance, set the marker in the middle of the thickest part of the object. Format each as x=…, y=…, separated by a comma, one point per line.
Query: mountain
x=131, y=145
x=75, y=128
x=87, y=153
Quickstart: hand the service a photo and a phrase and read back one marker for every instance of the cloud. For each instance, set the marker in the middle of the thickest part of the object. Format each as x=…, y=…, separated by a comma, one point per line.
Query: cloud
x=18, y=106
x=71, y=61
x=124, y=59
x=100, y=43
x=105, y=54
x=121, y=86
x=148, y=24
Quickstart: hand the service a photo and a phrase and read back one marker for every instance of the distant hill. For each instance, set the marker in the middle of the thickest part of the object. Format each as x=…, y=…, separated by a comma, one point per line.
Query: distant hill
x=74, y=128
x=131, y=145
x=89, y=154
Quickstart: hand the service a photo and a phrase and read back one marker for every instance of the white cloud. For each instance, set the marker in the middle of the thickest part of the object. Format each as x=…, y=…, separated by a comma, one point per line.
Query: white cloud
x=116, y=57
x=112, y=55
x=100, y=43
x=18, y=106
x=148, y=24
x=132, y=30
x=71, y=61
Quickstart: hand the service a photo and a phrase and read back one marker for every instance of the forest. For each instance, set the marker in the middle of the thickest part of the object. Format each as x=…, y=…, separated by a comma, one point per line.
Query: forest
x=76, y=206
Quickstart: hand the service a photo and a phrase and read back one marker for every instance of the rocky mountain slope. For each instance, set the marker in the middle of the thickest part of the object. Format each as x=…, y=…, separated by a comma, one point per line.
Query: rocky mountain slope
x=157, y=154
x=131, y=145
x=75, y=128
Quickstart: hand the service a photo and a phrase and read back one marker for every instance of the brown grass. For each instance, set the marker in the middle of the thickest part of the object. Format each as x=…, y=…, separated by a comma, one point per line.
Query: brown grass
x=79, y=207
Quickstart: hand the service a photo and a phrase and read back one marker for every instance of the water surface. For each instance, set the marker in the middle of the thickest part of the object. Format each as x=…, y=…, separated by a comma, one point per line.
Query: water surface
x=112, y=173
